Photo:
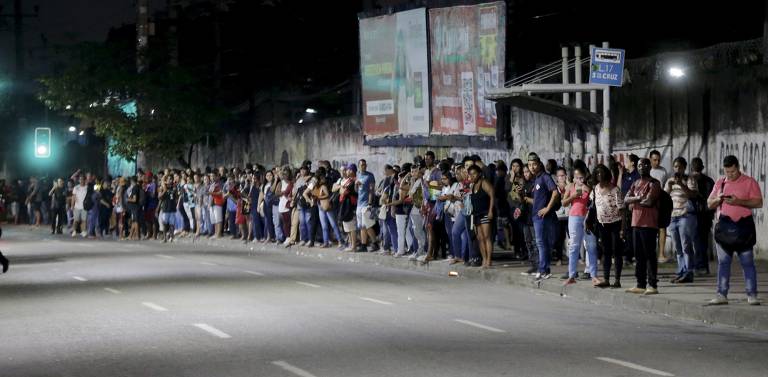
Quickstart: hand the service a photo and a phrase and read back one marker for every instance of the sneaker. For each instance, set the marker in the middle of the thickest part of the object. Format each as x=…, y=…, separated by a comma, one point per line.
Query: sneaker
x=546, y=275
x=374, y=248
x=566, y=276
x=616, y=285
x=685, y=279
x=753, y=300
x=675, y=280
x=586, y=276
x=636, y=290
x=74, y=234
x=602, y=284
x=718, y=300
x=537, y=276
x=650, y=291
x=399, y=254
x=530, y=272
x=413, y=256
x=84, y=234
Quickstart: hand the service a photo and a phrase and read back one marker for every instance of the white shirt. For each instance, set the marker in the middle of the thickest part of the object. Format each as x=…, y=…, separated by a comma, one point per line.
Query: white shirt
x=660, y=174
x=80, y=192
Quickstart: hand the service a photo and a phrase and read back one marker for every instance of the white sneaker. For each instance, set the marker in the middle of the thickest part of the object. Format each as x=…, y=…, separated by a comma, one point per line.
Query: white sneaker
x=399, y=254
x=753, y=300
x=422, y=258
x=413, y=256
x=537, y=275
x=719, y=300
x=74, y=234
x=84, y=234
x=546, y=276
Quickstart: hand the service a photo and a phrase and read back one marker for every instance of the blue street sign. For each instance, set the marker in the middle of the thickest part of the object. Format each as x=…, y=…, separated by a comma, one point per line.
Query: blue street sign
x=607, y=66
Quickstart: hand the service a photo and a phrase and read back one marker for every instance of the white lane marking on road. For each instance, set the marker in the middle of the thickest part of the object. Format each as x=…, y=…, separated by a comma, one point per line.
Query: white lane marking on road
x=154, y=306
x=78, y=278
x=115, y=291
x=308, y=284
x=212, y=330
x=253, y=273
x=635, y=366
x=293, y=369
x=208, y=264
x=475, y=324
x=375, y=301
x=164, y=256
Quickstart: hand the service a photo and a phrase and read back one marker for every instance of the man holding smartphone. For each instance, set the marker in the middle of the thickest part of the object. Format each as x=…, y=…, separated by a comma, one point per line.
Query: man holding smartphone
x=734, y=196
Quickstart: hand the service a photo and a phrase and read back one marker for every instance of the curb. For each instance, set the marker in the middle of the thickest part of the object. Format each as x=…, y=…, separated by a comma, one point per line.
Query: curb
x=742, y=317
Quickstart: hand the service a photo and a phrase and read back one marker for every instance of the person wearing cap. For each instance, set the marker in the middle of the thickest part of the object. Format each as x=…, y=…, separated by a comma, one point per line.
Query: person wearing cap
x=544, y=202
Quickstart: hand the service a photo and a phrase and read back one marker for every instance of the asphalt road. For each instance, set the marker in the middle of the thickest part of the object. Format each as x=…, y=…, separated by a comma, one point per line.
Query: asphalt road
x=74, y=307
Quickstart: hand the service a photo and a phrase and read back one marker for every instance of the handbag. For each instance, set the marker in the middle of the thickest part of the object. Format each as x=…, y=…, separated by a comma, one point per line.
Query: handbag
x=735, y=236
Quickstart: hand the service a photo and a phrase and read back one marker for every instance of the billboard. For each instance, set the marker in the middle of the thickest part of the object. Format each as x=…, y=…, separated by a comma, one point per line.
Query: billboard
x=467, y=51
x=394, y=71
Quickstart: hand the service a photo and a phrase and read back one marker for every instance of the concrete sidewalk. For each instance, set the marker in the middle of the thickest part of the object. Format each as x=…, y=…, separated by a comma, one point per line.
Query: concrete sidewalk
x=686, y=301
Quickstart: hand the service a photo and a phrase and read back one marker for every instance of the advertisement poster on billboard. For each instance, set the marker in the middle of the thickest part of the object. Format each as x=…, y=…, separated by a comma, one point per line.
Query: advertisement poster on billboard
x=394, y=69
x=467, y=50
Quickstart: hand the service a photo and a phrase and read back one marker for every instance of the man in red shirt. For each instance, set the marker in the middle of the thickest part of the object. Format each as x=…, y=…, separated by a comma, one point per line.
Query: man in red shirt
x=643, y=197
x=734, y=196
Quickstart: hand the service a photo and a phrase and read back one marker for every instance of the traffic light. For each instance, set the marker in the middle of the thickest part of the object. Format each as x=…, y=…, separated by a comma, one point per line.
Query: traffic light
x=42, y=142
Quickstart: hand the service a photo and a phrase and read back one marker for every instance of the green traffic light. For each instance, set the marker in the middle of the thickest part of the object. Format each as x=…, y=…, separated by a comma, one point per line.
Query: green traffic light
x=42, y=142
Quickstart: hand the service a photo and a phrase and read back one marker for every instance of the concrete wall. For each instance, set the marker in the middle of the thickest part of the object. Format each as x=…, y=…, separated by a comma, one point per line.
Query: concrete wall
x=337, y=140
x=709, y=115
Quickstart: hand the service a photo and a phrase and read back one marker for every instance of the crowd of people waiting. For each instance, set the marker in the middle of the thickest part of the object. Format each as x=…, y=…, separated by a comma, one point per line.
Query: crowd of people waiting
x=431, y=209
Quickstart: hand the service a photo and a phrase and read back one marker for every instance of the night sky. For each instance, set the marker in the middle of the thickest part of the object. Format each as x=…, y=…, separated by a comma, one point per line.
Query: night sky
x=538, y=28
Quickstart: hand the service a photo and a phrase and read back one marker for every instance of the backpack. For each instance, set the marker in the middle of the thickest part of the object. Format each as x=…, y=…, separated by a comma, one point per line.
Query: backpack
x=665, y=209
x=88, y=201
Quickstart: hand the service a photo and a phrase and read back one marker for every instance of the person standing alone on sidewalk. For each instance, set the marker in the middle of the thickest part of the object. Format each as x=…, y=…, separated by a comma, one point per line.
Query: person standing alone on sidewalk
x=643, y=196
x=734, y=197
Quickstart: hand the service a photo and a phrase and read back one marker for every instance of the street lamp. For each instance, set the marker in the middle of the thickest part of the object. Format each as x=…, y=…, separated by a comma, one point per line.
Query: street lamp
x=311, y=111
x=82, y=132
x=72, y=129
x=676, y=72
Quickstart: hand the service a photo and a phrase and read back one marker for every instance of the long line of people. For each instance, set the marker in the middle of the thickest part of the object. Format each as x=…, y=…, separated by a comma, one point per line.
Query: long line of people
x=426, y=210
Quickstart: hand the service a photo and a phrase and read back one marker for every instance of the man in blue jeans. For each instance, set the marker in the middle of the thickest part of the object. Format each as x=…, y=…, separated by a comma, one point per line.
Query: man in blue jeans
x=545, y=198
x=734, y=196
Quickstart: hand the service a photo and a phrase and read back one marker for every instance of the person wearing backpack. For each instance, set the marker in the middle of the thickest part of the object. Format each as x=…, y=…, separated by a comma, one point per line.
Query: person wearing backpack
x=735, y=196
x=683, y=190
x=643, y=197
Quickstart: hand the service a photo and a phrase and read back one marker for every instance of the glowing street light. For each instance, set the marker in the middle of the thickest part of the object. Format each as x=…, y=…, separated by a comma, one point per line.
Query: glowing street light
x=72, y=129
x=311, y=111
x=81, y=133
x=676, y=72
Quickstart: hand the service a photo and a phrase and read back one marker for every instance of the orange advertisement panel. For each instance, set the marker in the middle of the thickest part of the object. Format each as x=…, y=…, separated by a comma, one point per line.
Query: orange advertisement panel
x=467, y=51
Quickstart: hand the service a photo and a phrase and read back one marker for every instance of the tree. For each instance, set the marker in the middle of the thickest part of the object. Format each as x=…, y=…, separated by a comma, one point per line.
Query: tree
x=165, y=110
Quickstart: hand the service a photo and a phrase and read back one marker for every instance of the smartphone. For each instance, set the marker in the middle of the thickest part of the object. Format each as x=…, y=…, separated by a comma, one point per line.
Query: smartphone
x=727, y=197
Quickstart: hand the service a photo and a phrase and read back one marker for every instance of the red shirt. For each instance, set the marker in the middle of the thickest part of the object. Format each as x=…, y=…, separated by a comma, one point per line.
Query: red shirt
x=744, y=187
x=645, y=217
x=218, y=199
